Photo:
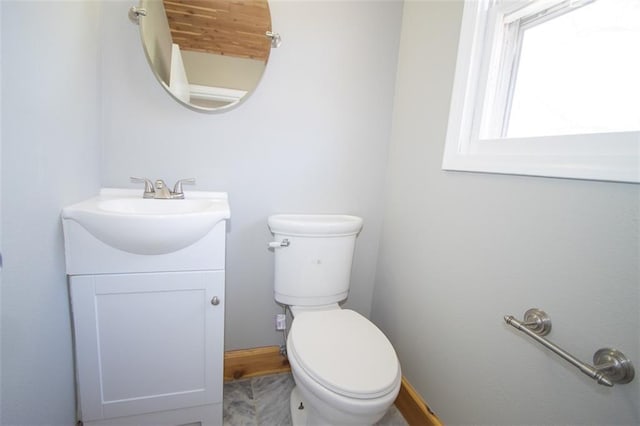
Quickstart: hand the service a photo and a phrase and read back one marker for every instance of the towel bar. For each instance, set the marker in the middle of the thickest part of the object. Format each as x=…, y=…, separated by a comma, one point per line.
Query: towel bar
x=610, y=365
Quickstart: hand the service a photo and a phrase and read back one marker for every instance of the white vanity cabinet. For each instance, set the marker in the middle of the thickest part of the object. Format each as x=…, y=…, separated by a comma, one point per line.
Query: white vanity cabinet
x=148, y=343
x=148, y=329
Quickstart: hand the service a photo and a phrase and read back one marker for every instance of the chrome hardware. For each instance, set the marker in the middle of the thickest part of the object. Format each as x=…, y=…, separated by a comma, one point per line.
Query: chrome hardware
x=277, y=244
x=177, y=188
x=160, y=191
x=537, y=321
x=276, y=40
x=135, y=13
x=215, y=301
x=611, y=366
x=614, y=365
x=149, y=192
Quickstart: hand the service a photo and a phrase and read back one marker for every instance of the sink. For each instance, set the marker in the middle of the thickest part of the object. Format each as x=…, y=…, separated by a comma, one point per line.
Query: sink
x=151, y=207
x=122, y=219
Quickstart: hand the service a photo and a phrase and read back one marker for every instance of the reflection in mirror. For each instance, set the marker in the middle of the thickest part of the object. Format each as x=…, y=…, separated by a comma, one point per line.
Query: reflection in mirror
x=208, y=54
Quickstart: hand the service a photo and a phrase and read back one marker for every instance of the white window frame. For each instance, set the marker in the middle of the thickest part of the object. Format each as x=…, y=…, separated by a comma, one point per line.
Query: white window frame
x=599, y=156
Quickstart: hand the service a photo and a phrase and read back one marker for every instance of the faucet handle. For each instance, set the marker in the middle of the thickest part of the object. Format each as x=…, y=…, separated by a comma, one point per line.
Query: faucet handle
x=177, y=189
x=148, y=186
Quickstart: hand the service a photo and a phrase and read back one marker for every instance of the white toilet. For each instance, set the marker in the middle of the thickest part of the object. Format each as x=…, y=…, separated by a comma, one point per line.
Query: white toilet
x=345, y=369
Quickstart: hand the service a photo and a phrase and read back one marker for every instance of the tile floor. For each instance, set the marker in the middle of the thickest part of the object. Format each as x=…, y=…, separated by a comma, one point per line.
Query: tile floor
x=264, y=401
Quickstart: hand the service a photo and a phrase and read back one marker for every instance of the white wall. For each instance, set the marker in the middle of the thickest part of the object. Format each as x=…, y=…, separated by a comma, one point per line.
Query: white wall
x=1, y=399
x=77, y=95
x=460, y=250
x=209, y=69
x=49, y=159
x=312, y=138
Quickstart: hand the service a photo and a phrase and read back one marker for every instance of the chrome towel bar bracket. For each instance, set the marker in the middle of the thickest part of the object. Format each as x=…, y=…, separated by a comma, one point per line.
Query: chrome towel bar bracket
x=610, y=365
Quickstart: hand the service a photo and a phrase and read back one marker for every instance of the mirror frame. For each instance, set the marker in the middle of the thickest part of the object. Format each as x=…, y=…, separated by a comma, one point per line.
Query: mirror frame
x=140, y=12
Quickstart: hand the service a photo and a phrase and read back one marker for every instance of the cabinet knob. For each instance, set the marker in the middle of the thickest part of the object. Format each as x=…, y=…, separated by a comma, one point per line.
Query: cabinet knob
x=215, y=301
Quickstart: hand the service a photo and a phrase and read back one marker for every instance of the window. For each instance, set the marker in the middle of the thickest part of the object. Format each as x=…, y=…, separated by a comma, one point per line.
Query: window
x=548, y=88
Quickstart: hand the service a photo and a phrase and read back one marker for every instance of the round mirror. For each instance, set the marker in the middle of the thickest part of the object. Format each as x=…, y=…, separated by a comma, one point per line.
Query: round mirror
x=208, y=54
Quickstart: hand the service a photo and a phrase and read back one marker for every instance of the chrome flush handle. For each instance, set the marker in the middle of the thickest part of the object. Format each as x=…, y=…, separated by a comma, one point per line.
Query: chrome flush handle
x=277, y=244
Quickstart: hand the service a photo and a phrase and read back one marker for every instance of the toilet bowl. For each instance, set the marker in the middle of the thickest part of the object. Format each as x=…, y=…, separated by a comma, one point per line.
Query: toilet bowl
x=346, y=370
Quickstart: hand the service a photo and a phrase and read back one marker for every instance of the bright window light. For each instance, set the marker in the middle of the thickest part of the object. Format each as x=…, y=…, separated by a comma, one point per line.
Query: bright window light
x=547, y=88
x=579, y=73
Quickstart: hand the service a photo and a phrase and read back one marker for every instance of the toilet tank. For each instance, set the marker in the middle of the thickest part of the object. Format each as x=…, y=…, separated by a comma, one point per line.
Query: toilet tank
x=314, y=267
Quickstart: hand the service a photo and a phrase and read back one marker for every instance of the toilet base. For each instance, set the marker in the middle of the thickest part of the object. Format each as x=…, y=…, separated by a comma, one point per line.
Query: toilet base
x=303, y=414
x=298, y=414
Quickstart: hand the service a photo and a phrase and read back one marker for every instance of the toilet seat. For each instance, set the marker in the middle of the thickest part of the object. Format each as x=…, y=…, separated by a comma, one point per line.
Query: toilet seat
x=344, y=352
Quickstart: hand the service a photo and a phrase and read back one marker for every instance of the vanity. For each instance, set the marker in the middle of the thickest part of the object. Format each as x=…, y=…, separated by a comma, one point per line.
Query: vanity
x=147, y=268
x=147, y=285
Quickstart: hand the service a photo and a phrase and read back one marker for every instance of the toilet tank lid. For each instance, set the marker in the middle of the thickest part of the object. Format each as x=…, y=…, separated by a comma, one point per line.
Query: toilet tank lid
x=315, y=224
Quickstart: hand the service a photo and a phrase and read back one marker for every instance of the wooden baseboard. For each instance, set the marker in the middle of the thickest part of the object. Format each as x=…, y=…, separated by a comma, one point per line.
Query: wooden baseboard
x=413, y=408
x=245, y=363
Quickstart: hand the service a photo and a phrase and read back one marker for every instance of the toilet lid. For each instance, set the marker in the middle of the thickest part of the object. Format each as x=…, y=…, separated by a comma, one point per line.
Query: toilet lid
x=344, y=352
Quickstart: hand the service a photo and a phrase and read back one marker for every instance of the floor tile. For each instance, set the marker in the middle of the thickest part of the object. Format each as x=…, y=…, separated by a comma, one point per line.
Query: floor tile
x=238, y=404
x=264, y=401
x=272, y=399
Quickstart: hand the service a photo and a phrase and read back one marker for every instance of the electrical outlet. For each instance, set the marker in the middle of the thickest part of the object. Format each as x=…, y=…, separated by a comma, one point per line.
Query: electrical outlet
x=281, y=322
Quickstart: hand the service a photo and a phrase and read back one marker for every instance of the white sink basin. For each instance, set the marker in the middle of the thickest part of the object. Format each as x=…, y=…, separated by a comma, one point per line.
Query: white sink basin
x=140, y=206
x=122, y=219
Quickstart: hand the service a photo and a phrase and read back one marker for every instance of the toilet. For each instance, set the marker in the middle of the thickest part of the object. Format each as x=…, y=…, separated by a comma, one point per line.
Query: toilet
x=345, y=369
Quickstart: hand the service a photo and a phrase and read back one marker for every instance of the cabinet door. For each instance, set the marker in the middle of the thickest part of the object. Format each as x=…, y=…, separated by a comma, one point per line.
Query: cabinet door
x=147, y=342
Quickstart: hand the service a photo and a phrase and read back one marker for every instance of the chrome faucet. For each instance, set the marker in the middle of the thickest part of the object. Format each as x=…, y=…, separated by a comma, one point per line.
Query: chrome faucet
x=160, y=191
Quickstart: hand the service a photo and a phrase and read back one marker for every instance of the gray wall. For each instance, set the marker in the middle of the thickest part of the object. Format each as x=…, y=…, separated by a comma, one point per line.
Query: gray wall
x=1, y=91
x=312, y=138
x=457, y=252
x=460, y=250
x=50, y=158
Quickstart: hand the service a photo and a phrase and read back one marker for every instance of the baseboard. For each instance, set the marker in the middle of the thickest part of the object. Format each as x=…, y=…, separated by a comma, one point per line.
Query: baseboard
x=245, y=363
x=254, y=362
x=413, y=408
